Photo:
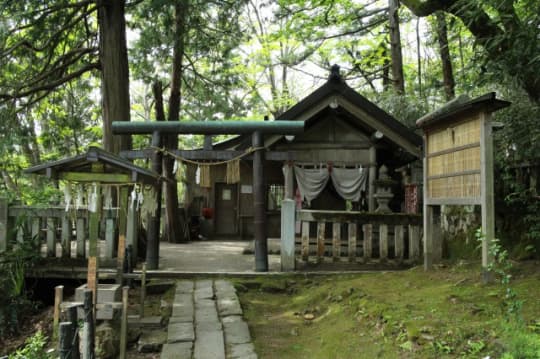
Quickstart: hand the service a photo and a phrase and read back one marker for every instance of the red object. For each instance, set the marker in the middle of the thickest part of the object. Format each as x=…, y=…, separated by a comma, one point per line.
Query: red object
x=208, y=213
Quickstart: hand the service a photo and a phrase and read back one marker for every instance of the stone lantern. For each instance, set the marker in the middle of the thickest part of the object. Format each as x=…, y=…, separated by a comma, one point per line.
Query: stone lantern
x=383, y=193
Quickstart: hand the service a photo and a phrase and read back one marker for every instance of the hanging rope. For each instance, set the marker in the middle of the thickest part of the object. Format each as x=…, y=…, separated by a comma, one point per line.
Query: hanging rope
x=198, y=163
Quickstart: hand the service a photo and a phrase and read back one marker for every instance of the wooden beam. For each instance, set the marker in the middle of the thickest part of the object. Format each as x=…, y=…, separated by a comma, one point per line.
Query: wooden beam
x=95, y=177
x=210, y=155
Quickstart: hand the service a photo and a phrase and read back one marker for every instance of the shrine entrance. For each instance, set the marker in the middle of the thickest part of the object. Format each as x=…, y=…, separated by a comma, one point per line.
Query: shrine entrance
x=226, y=209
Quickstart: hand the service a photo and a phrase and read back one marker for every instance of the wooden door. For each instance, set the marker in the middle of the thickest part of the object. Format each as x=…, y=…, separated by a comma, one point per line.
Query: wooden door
x=226, y=208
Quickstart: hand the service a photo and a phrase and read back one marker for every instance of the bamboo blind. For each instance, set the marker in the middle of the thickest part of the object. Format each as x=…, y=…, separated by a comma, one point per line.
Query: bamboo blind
x=453, y=160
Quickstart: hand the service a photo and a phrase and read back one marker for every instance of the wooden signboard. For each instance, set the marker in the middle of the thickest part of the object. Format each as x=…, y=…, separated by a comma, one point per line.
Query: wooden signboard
x=458, y=165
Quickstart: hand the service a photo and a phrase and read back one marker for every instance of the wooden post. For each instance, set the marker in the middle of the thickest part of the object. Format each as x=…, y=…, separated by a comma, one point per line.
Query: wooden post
x=486, y=193
x=81, y=237
x=288, y=255
x=399, y=244
x=383, y=242
x=65, y=343
x=154, y=223
x=336, y=241
x=125, y=222
x=51, y=237
x=71, y=312
x=372, y=177
x=109, y=238
x=123, y=328
x=305, y=241
x=368, y=241
x=320, y=241
x=36, y=231
x=4, y=220
x=143, y=289
x=259, y=200
x=428, y=237
x=66, y=236
x=88, y=326
x=58, y=298
x=352, y=241
x=93, y=254
x=414, y=243
x=131, y=228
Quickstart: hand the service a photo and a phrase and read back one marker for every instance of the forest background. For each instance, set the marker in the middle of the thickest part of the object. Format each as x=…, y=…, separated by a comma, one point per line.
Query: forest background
x=69, y=68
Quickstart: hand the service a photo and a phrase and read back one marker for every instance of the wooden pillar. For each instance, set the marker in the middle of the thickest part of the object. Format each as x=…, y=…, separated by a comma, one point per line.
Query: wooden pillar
x=368, y=241
x=320, y=241
x=336, y=241
x=288, y=262
x=383, y=242
x=259, y=223
x=398, y=242
x=4, y=230
x=66, y=236
x=51, y=237
x=81, y=237
x=414, y=243
x=428, y=237
x=352, y=241
x=372, y=177
x=154, y=224
x=93, y=236
x=123, y=220
x=288, y=173
x=486, y=193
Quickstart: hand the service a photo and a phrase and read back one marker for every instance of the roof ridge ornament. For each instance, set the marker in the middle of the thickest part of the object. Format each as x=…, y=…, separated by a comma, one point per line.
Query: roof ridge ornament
x=335, y=75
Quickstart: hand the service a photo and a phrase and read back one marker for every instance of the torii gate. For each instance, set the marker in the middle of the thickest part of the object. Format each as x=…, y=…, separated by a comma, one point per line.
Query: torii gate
x=256, y=128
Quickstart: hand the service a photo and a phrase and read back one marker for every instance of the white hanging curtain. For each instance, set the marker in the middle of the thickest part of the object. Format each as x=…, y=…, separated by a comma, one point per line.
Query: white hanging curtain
x=311, y=181
x=348, y=182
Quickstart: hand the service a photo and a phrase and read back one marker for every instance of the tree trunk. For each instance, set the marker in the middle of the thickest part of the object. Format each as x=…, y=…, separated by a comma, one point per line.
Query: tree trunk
x=395, y=46
x=173, y=231
x=114, y=72
x=446, y=61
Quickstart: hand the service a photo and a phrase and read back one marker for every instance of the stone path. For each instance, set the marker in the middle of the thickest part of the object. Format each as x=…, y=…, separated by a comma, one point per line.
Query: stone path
x=207, y=323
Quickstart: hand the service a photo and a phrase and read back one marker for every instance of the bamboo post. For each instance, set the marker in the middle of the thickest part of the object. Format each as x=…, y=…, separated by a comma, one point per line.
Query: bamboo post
x=305, y=241
x=81, y=236
x=143, y=289
x=71, y=312
x=4, y=230
x=123, y=329
x=58, y=298
x=320, y=241
x=336, y=241
x=88, y=326
x=66, y=236
x=368, y=241
x=65, y=343
x=352, y=241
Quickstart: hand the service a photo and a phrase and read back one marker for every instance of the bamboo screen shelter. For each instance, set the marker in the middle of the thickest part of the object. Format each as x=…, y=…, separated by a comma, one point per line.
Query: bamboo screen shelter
x=458, y=164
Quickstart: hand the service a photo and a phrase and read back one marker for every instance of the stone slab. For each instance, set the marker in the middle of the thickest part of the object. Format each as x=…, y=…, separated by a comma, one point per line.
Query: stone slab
x=229, y=306
x=177, y=350
x=180, y=332
x=184, y=286
x=224, y=286
x=209, y=345
x=151, y=341
x=236, y=332
x=241, y=351
x=208, y=327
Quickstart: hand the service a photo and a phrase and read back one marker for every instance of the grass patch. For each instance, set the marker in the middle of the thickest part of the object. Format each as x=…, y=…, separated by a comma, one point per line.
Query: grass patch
x=446, y=313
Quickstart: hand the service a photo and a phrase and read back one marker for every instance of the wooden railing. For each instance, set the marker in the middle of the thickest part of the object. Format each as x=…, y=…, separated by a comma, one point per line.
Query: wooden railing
x=58, y=233
x=358, y=236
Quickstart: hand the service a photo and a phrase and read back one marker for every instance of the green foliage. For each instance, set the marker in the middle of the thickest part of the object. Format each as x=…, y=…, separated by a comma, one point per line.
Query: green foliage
x=14, y=303
x=34, y=348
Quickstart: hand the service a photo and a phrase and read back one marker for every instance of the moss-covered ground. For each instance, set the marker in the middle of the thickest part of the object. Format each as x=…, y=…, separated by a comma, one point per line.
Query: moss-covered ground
x=445, y=313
